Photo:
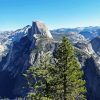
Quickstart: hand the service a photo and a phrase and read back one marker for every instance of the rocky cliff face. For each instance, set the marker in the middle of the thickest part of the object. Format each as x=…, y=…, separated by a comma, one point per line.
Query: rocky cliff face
x=24, y=47
x=24, y=53
x=92, y=78
x=96, y=45
x=91, y=74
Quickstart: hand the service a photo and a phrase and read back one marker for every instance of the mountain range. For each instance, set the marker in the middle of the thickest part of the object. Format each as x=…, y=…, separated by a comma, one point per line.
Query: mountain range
x=23, y=48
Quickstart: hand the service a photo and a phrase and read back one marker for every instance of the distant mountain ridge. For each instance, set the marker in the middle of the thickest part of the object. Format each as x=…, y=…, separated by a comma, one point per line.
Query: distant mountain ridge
x=88, y=32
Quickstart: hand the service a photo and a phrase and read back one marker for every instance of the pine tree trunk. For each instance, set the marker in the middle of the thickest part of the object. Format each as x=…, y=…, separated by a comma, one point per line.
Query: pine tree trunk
x=64, y=87
x=46, y=88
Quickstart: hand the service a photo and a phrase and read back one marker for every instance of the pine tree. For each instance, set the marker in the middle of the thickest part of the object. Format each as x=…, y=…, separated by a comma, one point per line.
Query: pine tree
x=70, y=85
x=38, y=78
x=58, y=77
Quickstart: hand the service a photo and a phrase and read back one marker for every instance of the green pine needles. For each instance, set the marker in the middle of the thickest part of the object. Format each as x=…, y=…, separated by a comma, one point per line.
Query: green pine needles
x=57, y=77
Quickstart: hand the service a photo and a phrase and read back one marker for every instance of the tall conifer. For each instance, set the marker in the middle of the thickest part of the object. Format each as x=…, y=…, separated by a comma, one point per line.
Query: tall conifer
x=58, y=77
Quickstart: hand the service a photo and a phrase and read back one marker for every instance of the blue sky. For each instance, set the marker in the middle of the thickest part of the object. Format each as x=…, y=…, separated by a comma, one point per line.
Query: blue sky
x=55, y=13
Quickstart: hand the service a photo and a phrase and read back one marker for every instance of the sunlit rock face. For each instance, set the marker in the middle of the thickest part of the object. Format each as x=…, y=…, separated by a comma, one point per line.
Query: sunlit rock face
x=38, y=30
